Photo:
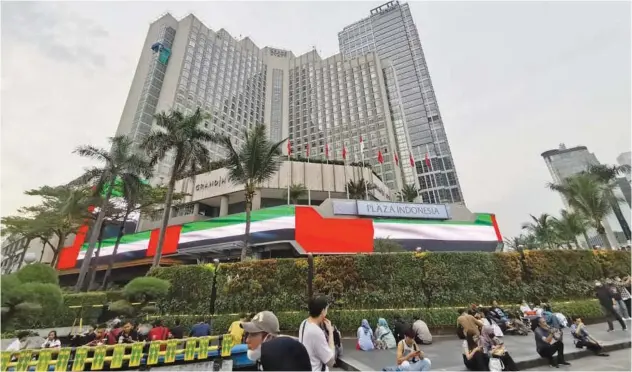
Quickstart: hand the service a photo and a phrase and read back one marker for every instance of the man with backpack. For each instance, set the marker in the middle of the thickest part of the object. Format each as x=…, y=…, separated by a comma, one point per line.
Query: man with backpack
x=321, y=348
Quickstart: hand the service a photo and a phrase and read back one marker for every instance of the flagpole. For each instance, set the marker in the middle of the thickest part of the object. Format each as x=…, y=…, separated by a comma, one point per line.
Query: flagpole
x=434, y=175
x=289, y=173
x=309, y=191
x=344, y=162
x=366, y=186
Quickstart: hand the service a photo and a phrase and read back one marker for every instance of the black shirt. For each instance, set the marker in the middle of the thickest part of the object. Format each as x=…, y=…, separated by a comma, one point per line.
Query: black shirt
x=616, y=293
x=284, y=354
x=177, y=332
x=604, y=296
x=400, y=328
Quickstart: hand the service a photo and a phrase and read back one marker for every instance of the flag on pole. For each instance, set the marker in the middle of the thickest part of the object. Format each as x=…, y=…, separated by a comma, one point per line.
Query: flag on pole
x=412, y=160
x=307, y=150
x=361, y=146
x=380, y=158
x=396, y=159
x=289, y=148
x=428, y=161
x=327, y=151
x=344, y=152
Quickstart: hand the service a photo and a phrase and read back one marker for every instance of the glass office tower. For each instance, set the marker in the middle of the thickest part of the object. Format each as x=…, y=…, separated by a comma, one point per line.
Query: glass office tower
x=391, y=33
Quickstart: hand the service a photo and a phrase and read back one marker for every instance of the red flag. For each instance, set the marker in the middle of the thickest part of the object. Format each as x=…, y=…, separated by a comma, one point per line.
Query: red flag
x=327, y=151
x=427, y=161
x=307, y=150
x=289, y=148
x=380, y=158
x=396, y=159
x=361, y=145
x=344, y=152
x=412, y=161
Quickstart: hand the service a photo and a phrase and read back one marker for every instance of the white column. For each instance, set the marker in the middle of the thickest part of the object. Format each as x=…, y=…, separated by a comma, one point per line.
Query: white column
x=223, y=205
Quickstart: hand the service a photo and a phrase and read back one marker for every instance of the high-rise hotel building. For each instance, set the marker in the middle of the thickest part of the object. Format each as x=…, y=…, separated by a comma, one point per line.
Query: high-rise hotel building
x=377, y=88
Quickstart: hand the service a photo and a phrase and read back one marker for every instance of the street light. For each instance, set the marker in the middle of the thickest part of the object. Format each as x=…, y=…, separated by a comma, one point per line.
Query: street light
x=29, y=258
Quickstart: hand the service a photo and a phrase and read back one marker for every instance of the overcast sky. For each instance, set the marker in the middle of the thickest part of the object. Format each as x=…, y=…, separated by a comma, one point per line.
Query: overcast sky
x=512, y=79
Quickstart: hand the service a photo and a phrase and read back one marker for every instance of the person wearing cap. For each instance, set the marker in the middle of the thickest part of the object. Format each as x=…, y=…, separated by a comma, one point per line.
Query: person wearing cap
x=321, y=349
x=270, y=351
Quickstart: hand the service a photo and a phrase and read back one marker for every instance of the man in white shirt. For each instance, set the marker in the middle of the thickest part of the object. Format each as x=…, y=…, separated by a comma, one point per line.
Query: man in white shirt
x=422, y=333
x=321, y=349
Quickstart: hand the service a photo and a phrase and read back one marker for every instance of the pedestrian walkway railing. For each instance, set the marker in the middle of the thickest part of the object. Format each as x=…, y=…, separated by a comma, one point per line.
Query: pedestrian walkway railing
x=119, y=356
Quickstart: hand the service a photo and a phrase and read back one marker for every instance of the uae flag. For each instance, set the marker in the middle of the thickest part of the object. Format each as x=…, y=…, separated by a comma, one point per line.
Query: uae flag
x=412, y=161
x=344, y=152
x=428, y=161
x=361, y=146
x=380, y=158
x=396, y=159
x=326, y=151
x=307, y=150
x=289, y=148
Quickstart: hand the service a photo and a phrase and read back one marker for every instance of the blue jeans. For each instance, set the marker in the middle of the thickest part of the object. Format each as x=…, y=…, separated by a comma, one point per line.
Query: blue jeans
x=422, y=365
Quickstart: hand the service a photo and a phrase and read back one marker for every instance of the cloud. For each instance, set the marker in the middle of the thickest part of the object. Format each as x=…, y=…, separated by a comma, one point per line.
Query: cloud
x=53, y=30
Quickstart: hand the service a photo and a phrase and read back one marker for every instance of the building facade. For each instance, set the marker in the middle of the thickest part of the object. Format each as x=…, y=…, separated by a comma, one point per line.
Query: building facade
x=371, y=101
x=390, y=32
x=625, y=159
x=565, y=162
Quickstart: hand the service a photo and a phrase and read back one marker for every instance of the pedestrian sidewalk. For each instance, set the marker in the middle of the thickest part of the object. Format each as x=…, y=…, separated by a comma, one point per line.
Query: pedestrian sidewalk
x=445, y=352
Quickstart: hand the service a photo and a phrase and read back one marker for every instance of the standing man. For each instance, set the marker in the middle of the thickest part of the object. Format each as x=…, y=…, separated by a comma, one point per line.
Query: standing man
x=321, y=349
x=606, y=301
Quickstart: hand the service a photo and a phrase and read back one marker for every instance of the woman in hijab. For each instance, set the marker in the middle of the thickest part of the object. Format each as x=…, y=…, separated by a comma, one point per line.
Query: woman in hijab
x=499, y=358
x=365, y=336
x=383, y=335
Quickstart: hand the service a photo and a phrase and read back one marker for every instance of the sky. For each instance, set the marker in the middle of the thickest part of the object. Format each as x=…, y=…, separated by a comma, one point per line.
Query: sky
x=512, y=79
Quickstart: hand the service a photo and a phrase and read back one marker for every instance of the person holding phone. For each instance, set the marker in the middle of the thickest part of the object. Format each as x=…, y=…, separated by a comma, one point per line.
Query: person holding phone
x=409, y=355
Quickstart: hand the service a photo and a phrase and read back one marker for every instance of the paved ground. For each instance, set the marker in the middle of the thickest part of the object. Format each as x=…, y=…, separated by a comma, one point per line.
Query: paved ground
x=445, y=352
x=617, y=361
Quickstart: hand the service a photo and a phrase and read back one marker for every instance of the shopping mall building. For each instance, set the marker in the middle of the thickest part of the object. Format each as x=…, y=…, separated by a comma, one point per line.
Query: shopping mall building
x=210, y=223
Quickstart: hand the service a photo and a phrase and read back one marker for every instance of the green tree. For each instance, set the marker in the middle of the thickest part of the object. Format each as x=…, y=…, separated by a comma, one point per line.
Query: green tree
x=589, y=196
x=358, y=189
x=179, y=134
x=608, y=175
x=297, y=191
x=568, y=226
x=408, y=193
x=138, y=197
x=144, y=289
x=542, y=229
x=28, y=228
x=121, y=162
x=254, y=162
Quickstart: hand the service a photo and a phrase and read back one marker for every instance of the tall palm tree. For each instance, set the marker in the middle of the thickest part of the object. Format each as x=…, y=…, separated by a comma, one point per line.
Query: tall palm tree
x=607, y=175
x=589, y=196
x=569, y=225
x=120, y=162
x=297, y=191
x=181, y=135
x=358, y=189
x=254, y=162
x=541, y=228
x=408, y=193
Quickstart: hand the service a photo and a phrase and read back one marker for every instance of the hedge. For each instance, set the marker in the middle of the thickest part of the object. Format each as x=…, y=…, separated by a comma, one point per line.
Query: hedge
x=397, y=280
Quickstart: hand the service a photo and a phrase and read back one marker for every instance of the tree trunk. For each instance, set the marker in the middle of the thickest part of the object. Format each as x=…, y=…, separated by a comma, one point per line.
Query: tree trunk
x=26, y=248
x=96, y=228
x=60, y=245
x=165, y=216
x=95, y=261
x=244, y=249
x=108, y=272
x=576, y=243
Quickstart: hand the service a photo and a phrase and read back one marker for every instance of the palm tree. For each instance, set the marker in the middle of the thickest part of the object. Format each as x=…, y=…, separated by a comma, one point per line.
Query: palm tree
x=607, y=175
x=357, y=189
x=569, y=225
x=296, y=192
x=181, y=135
x=253, y=163
x=121, y=162
x=63, y=211
x=408, y=193
x=589, y=196
x=541, y=229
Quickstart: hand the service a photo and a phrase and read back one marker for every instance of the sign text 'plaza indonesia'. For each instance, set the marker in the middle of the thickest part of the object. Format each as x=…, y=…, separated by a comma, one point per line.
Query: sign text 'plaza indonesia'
x=403, y=210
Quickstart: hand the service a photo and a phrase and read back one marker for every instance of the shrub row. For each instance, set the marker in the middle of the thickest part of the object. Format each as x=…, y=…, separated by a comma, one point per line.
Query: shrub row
x=401, y=280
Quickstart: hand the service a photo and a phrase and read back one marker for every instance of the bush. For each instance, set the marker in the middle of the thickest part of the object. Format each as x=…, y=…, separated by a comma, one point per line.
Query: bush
x=145, y=289
x=9, y=287
x=396, y=280
x=47, y=296
x=38, y=273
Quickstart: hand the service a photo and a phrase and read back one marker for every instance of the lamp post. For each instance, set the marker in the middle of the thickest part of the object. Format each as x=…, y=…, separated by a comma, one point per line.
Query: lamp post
x=310, y=275
x=214, y=287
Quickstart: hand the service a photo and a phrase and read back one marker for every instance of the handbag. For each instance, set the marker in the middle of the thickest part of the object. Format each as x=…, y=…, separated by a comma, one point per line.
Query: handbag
x=495, y=365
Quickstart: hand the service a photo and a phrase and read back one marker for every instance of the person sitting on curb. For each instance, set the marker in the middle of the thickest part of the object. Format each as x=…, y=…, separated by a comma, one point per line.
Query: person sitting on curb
x=474, y=358
x=422, y=332
x=471, y=326
x=548, y=342
x=383, y=336
x=409, y=355
x=584, y=339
